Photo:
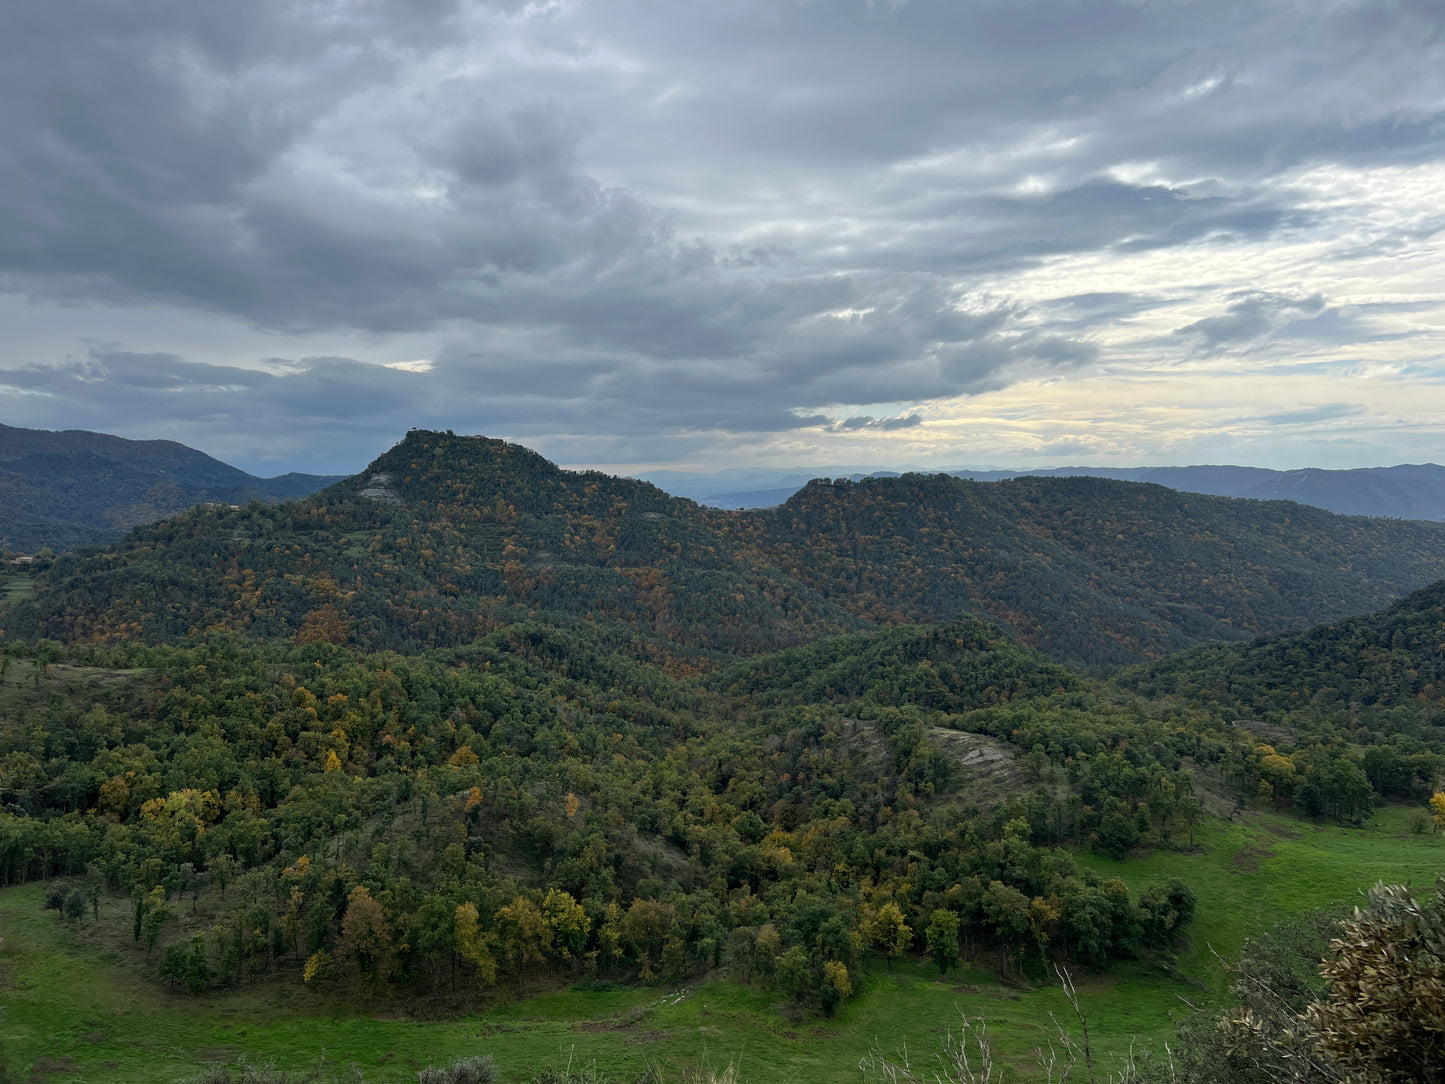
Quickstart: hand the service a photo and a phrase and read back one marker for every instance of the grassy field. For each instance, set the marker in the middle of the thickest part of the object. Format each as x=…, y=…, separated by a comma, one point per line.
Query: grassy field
x=15, y=585
x=1254, y=870
x=78, y=1013
x=25, y=684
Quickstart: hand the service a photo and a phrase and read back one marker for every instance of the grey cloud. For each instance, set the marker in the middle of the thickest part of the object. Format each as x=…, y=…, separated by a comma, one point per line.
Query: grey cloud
x=328, y=415
x=1095, y=215
x=623, y=216
x=1251, y=317
x=891, y=339
x=180, y=154
x=804, y=342
x=285, y=178
x=1079, y=312
x=864, y=421
x=1311, y=415
x=1252, y=87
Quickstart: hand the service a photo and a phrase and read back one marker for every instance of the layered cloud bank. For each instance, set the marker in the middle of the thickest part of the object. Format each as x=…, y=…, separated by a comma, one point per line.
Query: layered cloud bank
x=641, y=234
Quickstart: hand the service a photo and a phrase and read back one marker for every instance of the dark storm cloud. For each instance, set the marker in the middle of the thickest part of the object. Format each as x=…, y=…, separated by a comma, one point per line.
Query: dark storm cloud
x=842, y=180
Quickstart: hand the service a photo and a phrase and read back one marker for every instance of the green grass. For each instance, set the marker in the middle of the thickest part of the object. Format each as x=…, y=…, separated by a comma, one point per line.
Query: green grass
x=92, y=1013
x=1252, y=872
x=15, y=587
x=21, y=687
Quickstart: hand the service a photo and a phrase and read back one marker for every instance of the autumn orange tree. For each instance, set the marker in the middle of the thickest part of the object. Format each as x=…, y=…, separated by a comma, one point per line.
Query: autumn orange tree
x=365, y=944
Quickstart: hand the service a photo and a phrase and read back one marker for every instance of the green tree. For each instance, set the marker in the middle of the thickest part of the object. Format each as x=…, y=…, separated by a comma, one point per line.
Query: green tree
x=942, y=936
x=568, y=923
x=523, y=934
x=767, y=947
x=836, y=986
x=197, y=967
x=472, y=945
x=889, y=933
x=794, y=975
x=154, y=915
x=173, y=963
x=1007, y=909
x=75, y=904
x=646, y=928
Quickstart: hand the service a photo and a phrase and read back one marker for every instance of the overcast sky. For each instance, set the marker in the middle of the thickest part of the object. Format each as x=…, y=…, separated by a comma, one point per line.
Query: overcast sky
x=658, y=233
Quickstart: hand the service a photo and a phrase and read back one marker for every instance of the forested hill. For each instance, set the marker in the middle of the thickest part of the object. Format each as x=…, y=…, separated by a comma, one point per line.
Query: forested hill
x=1391, y=659
x=77, y=488
x=445, y=537
x=1407, y=491
x=441, y=539
x=1090, y=570
x=960, y=666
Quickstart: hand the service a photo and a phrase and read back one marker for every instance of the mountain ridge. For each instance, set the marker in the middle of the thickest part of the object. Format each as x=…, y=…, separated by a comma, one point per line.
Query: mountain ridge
x=1404, y=491
x=73, y=487
x=444, y=537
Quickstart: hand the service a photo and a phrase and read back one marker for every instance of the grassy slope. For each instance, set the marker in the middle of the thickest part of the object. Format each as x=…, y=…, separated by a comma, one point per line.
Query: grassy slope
x=15, y=586
x=1254, y=871
x=64, y=1001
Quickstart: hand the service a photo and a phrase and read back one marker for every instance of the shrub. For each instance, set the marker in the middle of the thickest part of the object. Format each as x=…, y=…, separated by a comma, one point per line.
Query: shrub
x=470, y=1070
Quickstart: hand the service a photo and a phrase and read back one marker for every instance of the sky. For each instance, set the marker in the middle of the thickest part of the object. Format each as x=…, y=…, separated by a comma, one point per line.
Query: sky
x=640, y=234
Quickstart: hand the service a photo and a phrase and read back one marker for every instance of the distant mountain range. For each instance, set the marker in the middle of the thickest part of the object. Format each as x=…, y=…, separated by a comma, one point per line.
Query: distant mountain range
x=77, y=488
x=1411, y=491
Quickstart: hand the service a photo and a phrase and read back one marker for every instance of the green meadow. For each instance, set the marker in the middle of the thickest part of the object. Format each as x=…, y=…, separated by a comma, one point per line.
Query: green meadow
x=15, y=586
x=74, y=1012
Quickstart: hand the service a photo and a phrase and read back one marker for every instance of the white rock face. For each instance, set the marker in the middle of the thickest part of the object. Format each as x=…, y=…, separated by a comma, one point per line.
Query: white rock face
x=379, y=488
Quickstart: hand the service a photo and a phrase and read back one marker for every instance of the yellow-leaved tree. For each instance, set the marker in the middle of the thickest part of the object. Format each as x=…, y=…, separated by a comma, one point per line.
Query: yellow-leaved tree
x=890, y=933
x=568, y=922
x=471, y=942
x=1437, y=807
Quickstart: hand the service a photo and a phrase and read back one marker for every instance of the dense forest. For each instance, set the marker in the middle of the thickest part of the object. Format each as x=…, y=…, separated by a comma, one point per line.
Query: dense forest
x=468, y=723
x=445, y=538
x=1375, y=683
x=463, y=819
